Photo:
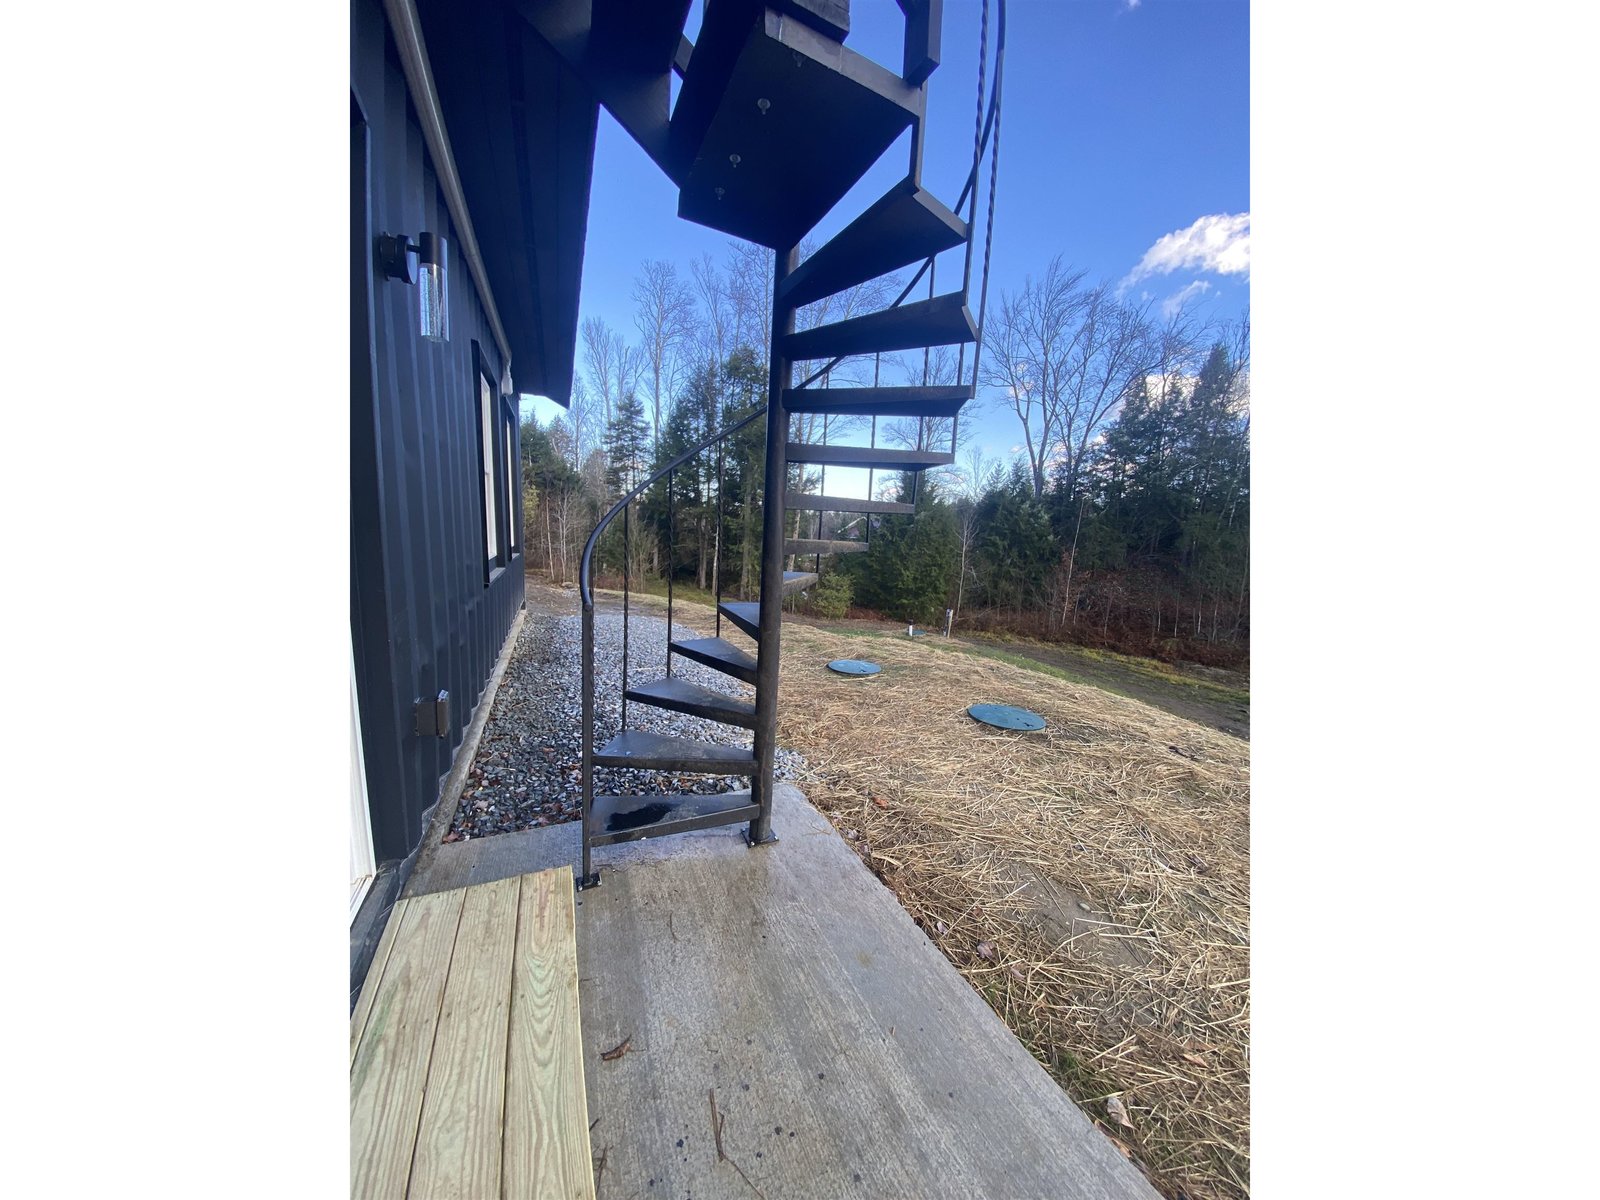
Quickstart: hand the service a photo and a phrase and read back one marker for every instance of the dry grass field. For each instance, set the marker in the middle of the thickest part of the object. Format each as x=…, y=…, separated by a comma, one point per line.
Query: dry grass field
x=1091, y=880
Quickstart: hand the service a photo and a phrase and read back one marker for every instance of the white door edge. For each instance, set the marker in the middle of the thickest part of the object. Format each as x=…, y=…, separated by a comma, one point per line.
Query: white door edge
x=363, y=865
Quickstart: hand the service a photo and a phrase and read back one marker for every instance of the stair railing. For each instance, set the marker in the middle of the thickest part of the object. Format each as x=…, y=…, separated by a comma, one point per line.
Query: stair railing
x=986, y=136
x=985, y=141
x=623, y=508
x=991, y=127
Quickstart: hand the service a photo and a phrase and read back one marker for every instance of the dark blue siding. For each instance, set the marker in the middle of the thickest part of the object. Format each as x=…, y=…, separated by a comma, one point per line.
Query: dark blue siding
x=422, y=617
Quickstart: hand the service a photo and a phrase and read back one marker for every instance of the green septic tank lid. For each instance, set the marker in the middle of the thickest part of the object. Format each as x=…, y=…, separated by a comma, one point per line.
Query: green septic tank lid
x=1004, y=716
x=854, y=666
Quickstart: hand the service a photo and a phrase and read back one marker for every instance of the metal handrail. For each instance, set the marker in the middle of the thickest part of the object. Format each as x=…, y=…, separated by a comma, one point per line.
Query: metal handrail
x=972, y=179
x=586, y=596
x=994, y=180
x=585, y=590
x=760, y=830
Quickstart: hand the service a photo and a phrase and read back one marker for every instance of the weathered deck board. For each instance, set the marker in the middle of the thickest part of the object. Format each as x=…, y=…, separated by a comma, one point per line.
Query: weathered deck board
x=845, y=1055
x=390, y=1071
x=458, y=1139
x=466, y=1073
x=547, y=1118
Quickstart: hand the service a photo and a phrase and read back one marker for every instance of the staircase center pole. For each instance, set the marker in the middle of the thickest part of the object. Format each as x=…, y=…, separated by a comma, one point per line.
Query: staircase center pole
x=779, y=378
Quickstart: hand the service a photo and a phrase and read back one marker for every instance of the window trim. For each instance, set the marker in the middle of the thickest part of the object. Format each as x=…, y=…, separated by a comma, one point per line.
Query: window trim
x=489, y=461
x=513, y=463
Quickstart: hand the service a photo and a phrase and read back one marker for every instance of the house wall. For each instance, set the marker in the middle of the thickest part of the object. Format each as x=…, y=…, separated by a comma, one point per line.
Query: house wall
x=423, y=618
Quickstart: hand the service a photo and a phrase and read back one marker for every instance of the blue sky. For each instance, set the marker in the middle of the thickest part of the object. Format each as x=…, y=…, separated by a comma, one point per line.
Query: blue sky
x=1124, y=148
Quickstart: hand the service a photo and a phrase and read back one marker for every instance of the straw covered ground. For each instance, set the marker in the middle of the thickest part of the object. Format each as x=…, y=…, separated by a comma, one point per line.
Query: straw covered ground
x=1091, y=880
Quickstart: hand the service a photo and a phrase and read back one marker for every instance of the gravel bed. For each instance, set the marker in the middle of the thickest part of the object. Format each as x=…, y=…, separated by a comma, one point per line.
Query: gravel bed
x=527, y=769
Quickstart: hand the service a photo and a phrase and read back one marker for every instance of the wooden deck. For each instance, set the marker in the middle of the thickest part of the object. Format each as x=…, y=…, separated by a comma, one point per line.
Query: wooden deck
x=466, y=1064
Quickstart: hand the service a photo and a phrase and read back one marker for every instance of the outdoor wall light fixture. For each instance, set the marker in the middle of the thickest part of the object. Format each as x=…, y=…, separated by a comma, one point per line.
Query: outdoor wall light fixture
x=423, y=262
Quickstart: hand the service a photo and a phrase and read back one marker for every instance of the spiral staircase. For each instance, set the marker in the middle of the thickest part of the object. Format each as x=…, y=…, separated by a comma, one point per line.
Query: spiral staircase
x=775, y=121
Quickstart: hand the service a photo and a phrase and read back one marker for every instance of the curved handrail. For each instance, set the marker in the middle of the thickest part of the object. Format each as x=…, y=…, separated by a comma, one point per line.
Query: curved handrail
x=994, y=104
x=994, y=183
x=972, y=179
x=585, y=590
x=586, y=565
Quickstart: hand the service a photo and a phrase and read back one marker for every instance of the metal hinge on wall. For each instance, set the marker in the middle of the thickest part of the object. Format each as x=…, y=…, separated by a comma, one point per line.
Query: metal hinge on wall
x=432, y=717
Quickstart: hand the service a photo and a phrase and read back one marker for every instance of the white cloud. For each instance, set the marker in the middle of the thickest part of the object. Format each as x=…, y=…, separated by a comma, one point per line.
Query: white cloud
x=1133, y=3
x=1173, y=304
x=1219, y=243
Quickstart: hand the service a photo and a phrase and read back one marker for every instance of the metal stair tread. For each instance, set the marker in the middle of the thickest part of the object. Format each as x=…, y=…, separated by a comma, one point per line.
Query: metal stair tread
x=822, y=546
x=798, y=581
x=940, y=401
x=867, y=456
x=941, y=321
x=679, y=695
x=630, y=818
x=769, y=175
x=851, y=504
x=745, y=615
x=719, y=655
x=647, y=751
x=905, y=225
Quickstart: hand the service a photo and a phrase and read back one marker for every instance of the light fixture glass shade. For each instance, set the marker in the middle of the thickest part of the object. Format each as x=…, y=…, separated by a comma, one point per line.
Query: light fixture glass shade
x=433, y=288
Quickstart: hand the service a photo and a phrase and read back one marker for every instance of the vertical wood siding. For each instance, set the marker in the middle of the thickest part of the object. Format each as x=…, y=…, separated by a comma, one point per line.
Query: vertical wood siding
x=422, y=617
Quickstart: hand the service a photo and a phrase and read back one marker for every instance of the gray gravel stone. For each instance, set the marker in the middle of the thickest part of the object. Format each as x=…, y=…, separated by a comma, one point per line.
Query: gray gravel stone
x=527, y=769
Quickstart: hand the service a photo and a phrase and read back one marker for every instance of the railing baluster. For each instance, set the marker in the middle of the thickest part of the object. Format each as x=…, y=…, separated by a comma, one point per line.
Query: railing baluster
x=994, y=180
x=877, y=364
x=822, y=484
x=627, y=566
x=587, y=763
x=977, y=143
x=672, y=543
x=622, y=508
x=716, y=552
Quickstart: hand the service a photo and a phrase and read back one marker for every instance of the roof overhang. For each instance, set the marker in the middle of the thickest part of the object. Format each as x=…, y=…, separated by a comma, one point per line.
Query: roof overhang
x=521, y=128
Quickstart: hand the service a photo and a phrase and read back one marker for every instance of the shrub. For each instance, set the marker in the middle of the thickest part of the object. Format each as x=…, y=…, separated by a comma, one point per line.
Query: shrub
x=831, y=597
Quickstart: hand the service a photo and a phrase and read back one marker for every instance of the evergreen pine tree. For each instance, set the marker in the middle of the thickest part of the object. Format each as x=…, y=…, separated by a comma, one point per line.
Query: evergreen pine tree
x=627, y=446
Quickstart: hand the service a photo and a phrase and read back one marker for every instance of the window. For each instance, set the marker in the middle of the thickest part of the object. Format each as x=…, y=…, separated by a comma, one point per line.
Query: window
x=510, y=490
x=497, y=464
x=490, y=460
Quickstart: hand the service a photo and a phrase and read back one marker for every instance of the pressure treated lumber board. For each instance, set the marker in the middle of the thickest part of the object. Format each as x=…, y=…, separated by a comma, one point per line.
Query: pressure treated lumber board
x=547, y=1116
x=458, y=1139
x=466, y=1072
x=390, y=1071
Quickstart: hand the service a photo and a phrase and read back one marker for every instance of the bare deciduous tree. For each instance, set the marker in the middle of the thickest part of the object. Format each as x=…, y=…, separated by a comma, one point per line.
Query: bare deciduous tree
x=750, y=292
x=716, y=324
x=582, y=418
x=664, y=317
x=1063, y=356
x=1029, y=344
x=597, y=357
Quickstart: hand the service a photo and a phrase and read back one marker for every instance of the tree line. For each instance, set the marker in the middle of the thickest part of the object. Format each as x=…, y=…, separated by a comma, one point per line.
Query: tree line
x=1121, y=519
